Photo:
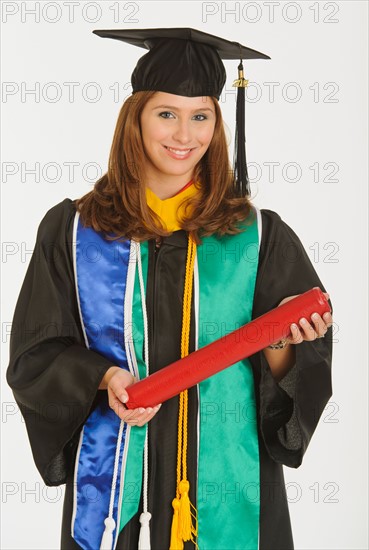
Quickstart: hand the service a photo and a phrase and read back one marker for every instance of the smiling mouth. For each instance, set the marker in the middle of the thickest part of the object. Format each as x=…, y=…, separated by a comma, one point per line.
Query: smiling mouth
x=179, y=152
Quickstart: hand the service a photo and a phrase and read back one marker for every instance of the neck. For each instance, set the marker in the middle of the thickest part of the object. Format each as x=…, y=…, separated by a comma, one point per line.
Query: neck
x=168, y=186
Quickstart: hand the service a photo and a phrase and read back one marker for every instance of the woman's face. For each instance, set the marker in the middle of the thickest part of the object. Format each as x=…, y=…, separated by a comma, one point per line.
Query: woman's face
x=176, y=132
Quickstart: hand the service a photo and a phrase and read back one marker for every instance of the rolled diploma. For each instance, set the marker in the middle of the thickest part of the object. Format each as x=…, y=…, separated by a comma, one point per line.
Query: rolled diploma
x=228, y=350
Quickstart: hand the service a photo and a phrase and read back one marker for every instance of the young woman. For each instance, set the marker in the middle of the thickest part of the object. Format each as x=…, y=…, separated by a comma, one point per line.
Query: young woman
x=162, y=257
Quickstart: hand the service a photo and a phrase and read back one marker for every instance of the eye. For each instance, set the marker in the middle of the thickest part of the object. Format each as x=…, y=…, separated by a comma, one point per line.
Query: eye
x=200, y=119
x=165, y=113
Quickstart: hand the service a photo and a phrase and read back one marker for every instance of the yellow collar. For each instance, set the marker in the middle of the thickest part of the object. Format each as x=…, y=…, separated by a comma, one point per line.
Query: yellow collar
x=170, y=211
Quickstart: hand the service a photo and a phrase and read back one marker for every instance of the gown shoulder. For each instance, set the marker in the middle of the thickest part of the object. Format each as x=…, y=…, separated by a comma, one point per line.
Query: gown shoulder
x=289, y=410
x=50, y=367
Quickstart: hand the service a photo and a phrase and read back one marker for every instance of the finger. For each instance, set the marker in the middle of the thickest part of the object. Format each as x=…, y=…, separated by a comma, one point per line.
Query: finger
x=143, y=417
x=319, y=325
x=117, y=406
x=120, y=409
x=324, y=323
x=119, y=382
x=124, y=397
x=153, y=413
x=133, y=414
x=120, y=394
x=114, y=402
x=127, y=417
x=296, y=336
x=307, y=330
x=118, y=388
x=136, y=415
x=328, y=319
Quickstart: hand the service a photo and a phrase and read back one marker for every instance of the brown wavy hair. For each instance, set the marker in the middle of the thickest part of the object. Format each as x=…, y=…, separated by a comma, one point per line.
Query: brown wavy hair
x=117, y=203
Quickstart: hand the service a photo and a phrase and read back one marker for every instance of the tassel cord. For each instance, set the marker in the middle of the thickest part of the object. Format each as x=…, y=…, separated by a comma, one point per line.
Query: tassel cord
x=184, y=513
x=241, y=177
x=144, y=542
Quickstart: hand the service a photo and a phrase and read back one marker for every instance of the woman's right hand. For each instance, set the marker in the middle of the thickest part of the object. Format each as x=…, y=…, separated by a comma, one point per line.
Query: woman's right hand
x=115, y=381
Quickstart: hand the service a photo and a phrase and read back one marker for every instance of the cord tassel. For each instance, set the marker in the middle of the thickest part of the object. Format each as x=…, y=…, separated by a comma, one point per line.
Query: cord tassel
x=184, y=516
x=107, y=538
x=184, y=513
x=144, y=542
x=144, y=539
x=176, y=543
x=242, y=183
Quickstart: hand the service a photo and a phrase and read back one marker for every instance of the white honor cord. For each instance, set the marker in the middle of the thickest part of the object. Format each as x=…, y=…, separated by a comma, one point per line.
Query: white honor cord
x=144, y=538
x=128, y=299
x=107, y=538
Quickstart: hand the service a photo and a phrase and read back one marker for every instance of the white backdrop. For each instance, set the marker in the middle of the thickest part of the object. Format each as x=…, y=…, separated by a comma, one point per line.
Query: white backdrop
x=306, y=125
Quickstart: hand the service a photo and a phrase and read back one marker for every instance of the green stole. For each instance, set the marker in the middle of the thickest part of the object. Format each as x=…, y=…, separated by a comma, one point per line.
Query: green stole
x=228, y=496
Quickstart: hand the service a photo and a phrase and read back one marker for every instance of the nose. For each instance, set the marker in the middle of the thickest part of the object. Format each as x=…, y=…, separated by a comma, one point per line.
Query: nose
x=182, y=133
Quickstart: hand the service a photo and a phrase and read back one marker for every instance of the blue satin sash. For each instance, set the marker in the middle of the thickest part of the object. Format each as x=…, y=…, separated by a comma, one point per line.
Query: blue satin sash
x=101, y=274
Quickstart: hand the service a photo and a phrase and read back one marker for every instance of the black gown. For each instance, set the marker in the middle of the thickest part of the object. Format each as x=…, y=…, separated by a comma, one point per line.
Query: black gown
x=55, y=378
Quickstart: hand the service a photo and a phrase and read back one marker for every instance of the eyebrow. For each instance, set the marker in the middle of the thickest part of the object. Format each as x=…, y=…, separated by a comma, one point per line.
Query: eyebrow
x=173, y=108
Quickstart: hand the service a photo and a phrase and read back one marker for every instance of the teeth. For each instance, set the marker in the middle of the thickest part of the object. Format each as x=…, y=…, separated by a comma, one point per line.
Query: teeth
x=178, y=152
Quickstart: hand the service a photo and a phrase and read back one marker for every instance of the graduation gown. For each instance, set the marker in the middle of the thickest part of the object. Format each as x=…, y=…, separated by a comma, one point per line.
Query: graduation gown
x=55, y=378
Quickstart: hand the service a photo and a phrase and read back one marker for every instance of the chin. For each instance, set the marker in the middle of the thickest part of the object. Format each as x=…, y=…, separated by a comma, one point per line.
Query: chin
x=176, y=170
x=177, y=173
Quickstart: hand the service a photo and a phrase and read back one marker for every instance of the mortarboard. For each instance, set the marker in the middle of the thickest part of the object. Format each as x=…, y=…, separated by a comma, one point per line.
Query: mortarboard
x=188, y=62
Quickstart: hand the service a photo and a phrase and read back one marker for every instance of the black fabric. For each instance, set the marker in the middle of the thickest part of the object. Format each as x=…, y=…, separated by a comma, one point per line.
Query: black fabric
x=54, y=367
x=181, y=61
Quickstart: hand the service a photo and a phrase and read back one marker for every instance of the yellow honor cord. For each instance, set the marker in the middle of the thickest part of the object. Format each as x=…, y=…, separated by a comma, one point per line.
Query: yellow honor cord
x=184, y=512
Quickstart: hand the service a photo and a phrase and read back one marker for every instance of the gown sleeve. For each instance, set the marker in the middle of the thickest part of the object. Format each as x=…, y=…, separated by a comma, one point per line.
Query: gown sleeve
x=53, y=376
x=289, y=410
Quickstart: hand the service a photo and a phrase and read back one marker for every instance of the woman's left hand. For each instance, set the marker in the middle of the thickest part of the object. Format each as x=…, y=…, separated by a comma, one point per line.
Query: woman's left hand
x=309, y=329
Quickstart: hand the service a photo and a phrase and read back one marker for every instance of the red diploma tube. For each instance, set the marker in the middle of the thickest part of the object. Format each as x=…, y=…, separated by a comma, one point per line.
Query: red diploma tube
x=235, y=346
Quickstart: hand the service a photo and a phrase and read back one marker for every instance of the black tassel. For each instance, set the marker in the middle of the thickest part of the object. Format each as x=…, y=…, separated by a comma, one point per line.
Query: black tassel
x=241, y=178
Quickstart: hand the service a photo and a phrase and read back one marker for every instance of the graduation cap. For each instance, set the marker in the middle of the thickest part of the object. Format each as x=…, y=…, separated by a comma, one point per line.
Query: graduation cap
x=188, y=62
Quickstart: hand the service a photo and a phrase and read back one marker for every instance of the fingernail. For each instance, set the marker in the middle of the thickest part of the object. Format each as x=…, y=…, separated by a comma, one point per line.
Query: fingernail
x=294, y=325
x=314, y=316
x=141, y=410
x=124, y=398
x=303, y=321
